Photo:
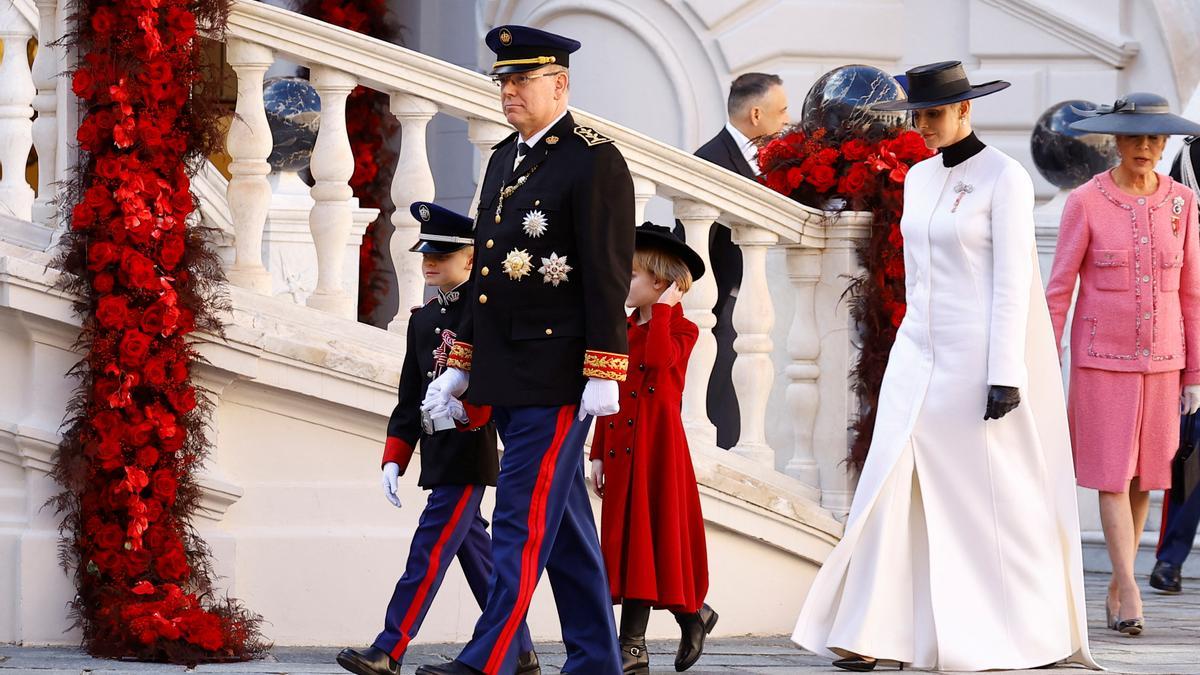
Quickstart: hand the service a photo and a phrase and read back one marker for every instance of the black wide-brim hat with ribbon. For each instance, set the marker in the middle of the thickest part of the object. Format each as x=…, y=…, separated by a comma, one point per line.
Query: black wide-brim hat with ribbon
x=940, y=83
x=442, y=230
x=662, y=238
x=1137, y=114
x=521, y=48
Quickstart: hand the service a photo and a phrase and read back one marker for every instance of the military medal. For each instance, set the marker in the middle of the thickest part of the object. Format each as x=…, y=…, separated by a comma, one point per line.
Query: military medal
x=534, y=224
x=554, y=269
x=517, y=264
x=508, y=191
x=963, y=189
x=1176, y=211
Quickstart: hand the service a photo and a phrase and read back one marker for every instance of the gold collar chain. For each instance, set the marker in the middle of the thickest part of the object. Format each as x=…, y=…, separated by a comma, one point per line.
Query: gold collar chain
x=508, y=191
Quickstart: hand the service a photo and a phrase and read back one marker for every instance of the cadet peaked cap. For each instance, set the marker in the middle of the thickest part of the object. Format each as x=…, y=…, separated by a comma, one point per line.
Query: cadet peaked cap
x=442, y=230
x=521, y=48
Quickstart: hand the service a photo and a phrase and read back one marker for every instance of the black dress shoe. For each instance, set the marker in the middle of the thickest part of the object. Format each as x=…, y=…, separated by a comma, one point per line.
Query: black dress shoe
x=454, y=667
x=370, y=661
x=860, y=664
x=527, y=664
x=693, y=628
x=1167, y=577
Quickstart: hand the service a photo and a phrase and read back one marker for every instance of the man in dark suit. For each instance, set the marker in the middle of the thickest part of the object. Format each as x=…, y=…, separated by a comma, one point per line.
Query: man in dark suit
x=543, y=341
x=1181, y=510
x=757, y=107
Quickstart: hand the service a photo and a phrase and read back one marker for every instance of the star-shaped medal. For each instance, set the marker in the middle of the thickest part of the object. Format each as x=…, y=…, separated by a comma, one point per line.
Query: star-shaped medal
x=554, y=269
x=517, y=264
x=534, y=223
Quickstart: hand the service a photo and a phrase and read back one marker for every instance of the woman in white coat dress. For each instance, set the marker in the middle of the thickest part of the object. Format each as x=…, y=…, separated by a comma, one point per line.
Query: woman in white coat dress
x=962, y=549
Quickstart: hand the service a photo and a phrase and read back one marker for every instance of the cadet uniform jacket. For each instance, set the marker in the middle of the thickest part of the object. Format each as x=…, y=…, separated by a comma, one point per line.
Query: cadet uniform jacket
x=450, y=457
x=553, y=255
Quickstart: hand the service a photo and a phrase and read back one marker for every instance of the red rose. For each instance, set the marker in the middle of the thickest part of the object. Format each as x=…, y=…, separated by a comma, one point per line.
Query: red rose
x=827, y=156
x=182, y=400
x=202, y=629
x=154, y=510
x=795, y=176
x=172, y=565
x=855, y=150
x=103, y=21
x=187, y=322
x=135, y=347
x=101, y=255
x=146, y=456
x=137, y=562
x=855, y=181
x=179, y=372
x=109, y=537
x=156, y=538
x=155, y=370
x=140, y=434
x=173, y=443
x=171, y=251
x=139, y=270
x=163, y=485
x=822, y=177
x=82, y=83
x=160, y=318
x=103, y=282
x=111, y=311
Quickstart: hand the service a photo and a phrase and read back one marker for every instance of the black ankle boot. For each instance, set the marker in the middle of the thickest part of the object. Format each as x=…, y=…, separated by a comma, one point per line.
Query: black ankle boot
x=693, y=628
x=634, y=617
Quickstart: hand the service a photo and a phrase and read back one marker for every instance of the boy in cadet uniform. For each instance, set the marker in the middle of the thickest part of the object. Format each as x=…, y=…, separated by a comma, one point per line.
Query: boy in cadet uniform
x=456, y=466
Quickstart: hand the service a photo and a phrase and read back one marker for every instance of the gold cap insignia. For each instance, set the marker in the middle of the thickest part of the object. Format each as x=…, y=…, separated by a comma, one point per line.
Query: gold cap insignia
x=424, y=211
x=505, y=37
x=551, y=140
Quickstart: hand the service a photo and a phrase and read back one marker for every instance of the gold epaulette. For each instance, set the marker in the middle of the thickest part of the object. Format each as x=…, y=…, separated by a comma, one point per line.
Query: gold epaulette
x=591, y=136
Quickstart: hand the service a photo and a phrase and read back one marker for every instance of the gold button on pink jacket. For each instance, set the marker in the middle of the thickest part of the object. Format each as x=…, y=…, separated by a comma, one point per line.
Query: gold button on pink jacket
x=1137, y=261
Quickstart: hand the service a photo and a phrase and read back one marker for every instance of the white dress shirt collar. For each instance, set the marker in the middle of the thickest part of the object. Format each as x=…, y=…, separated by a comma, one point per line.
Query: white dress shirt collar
x=747, y=146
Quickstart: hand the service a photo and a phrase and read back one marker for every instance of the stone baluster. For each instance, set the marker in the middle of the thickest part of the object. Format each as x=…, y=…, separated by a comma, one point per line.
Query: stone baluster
x=837, y=405
x=483, y=134
x=753, y=318
x=332, y=165
x=697, y=219
x=16, y=113
x=45, y=126
x=803, y=346
x=412, y=182
x=249, y=144
x=643, y=190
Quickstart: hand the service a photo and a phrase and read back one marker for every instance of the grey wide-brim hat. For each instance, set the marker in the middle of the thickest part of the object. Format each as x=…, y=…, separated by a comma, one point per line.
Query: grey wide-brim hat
x=1137, y=114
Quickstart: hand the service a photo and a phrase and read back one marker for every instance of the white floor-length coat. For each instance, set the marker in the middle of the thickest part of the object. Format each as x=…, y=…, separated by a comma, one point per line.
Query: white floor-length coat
x=962, y=548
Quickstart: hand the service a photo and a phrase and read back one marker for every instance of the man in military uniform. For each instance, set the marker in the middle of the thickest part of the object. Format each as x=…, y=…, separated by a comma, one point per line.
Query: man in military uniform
x=543, y=342
x=455, y=467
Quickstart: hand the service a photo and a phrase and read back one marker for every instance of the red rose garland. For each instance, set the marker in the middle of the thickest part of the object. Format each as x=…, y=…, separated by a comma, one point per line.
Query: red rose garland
x=370, y=125
x=869, y=175
x=144, y=280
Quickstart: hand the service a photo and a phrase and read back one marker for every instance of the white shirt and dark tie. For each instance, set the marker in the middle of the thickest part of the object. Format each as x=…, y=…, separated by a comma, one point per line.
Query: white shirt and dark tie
x=524, y=145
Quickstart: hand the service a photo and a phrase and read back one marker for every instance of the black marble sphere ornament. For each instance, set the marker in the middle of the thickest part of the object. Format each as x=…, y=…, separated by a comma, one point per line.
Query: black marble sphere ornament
x=840, y=102
x=294, y=115
x=1066, y=157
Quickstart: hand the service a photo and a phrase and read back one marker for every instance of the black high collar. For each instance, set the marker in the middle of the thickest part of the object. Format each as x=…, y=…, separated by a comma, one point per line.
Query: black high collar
x=953, y=155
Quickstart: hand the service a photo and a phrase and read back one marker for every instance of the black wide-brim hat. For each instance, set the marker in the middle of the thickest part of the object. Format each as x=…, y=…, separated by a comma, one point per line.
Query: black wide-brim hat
x=940, y=83
x=662, y=238
x=521, y=48
x=1137, y=114
x=442, y=230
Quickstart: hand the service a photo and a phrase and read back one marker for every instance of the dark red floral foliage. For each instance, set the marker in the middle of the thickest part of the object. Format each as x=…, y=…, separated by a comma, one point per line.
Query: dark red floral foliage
x=868, y=173
x=145, y=281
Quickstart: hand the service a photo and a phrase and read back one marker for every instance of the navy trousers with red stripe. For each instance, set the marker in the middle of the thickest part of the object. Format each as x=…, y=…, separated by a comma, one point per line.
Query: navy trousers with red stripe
x=543, y=521
x=450, y=526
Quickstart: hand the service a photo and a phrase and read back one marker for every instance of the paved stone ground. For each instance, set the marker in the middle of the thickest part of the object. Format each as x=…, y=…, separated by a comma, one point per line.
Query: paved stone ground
x=1171, y=645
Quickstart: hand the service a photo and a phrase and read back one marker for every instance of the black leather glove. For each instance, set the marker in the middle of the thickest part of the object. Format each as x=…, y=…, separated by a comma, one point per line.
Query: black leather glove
x=1001, y=401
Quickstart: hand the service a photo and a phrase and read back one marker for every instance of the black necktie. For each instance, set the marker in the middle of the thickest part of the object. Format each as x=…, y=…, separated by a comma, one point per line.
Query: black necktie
x=522, y=150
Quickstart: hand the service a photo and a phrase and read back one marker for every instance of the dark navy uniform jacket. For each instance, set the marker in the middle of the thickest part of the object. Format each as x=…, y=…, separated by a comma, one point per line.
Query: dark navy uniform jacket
x=453, y=456
x=553, y=255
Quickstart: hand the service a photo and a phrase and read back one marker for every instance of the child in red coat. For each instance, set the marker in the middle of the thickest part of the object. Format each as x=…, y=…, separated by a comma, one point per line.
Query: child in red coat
x=652, y=531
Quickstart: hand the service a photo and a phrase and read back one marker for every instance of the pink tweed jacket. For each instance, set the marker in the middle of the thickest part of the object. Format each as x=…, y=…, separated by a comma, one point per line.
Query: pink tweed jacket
x=1138, y=264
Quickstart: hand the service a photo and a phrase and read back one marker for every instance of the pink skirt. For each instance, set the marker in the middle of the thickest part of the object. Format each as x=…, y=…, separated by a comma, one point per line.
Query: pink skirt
x=1123, y=425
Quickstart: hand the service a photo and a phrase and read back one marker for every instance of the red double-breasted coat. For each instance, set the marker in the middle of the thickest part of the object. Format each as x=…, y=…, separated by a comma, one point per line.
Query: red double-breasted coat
x=651, y=528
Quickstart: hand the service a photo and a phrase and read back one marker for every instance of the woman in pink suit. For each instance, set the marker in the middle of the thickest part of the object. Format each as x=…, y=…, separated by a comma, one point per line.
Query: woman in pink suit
x=1129, y=235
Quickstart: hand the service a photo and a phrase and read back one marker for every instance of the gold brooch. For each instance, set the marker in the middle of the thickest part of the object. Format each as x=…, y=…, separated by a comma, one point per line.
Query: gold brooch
x=517, y=264
x=554, y=269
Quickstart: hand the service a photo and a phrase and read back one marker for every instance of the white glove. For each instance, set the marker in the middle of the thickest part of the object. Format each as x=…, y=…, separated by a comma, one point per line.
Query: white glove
x=450, y=384
x=391, y=475
x=1191, y=398
x=600, y=397
x=452, y=408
